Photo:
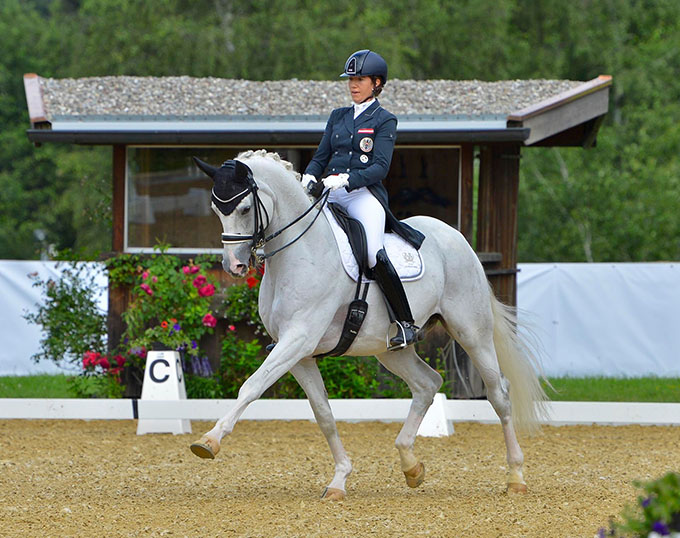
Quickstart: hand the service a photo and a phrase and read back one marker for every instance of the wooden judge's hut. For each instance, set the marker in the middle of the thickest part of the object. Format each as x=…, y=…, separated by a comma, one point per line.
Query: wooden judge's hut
x=457, y=155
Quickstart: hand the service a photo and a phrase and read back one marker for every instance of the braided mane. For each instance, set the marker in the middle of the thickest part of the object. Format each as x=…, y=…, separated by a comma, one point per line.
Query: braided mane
x=273, y=156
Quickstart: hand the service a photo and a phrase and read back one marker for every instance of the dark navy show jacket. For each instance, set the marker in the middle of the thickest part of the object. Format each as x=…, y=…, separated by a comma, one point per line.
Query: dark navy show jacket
x=340, y=151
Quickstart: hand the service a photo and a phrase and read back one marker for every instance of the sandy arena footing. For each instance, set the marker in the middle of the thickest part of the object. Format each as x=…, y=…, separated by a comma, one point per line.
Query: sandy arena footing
x=98, y=478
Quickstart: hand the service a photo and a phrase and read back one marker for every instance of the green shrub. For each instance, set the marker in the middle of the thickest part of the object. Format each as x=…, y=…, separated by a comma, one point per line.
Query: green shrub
x=657, y=511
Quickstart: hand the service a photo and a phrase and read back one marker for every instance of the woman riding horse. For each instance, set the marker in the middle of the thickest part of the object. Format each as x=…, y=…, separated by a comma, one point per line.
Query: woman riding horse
x=356, y=151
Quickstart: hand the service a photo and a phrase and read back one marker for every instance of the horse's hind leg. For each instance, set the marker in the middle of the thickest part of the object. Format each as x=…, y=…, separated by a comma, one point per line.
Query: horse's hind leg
x=482, y=352
x=307, y=374
x=424, y=382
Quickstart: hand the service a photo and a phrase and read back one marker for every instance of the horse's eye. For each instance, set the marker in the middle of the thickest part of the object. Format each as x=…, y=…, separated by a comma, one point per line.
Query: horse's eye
x=245, y=210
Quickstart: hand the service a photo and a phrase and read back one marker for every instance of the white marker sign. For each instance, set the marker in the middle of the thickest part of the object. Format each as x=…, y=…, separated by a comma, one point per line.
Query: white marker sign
x=163, y=380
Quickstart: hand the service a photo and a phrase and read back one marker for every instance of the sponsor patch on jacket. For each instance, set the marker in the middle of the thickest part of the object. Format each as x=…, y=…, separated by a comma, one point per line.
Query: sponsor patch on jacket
x=366, y=131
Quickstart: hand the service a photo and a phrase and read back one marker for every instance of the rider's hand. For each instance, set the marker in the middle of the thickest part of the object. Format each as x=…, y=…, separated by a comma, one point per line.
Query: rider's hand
x=311, y=185
x=336, y=181
x=306, y=180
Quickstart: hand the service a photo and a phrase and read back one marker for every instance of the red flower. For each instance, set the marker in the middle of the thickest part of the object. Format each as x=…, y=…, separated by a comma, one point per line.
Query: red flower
x=120, y=360
x=174, y=320
x=90, y=359
x=199, y=281
x=209, y=320
x=146, y=288
x=206, y=291
x=104, y=362
x=260, y=270
x=232, y=328
x=252, y=282
x=164, y=324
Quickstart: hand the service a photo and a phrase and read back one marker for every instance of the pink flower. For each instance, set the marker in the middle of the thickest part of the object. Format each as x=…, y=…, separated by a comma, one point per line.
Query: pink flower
x=145, y=275
x=186, y=269
x=199, y=281
x=194, y=269
x=206, y=291
x=209, y=320
x=232, y=328
x=154, y=279
x=146, y=288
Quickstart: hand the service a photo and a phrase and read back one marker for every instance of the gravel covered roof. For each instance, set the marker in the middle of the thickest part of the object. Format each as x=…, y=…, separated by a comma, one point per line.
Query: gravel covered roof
x=192, y=97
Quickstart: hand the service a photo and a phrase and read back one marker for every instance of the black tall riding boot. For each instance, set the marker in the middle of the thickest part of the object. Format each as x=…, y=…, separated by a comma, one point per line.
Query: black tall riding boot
x=397, y=303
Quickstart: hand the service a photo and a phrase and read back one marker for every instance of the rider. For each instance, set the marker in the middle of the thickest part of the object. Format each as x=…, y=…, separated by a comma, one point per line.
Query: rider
x=356, y=151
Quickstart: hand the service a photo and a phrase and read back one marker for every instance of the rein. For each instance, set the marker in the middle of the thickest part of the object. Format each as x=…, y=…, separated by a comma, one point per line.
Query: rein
x=258, y=238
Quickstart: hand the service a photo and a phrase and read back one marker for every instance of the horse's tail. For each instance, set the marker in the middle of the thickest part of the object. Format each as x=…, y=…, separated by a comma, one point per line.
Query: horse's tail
x=520, y=366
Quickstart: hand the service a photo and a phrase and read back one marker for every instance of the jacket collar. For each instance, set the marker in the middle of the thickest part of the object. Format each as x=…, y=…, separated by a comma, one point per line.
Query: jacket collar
x=349, y=121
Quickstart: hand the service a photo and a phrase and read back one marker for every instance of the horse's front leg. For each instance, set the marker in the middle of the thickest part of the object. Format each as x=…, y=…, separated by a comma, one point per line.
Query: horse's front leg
x=289, y=350
x=307, y=374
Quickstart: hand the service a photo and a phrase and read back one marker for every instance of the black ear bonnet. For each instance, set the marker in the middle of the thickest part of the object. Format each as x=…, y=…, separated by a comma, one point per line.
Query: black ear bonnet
x=232, y=182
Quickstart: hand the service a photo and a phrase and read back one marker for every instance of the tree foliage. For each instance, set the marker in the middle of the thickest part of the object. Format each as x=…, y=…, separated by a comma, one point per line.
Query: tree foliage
x=617, y=202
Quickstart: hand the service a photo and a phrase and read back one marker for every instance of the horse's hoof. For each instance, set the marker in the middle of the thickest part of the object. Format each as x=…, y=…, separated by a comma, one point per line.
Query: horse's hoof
x=206, y=448
x=516, y=487
x=415, y=476
x=333, y=494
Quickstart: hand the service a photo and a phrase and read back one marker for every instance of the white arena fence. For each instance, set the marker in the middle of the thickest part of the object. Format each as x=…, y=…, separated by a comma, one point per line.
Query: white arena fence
x=350, y=410
x=598, y=319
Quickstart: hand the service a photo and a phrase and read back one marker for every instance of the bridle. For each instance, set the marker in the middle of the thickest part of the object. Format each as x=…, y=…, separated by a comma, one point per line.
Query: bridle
x=258, y=239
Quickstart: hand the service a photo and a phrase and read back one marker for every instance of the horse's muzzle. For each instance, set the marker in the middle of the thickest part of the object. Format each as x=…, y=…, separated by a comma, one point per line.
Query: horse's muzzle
x=234, y=266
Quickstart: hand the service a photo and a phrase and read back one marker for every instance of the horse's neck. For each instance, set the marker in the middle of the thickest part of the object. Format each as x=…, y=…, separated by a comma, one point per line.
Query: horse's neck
x=290, y=204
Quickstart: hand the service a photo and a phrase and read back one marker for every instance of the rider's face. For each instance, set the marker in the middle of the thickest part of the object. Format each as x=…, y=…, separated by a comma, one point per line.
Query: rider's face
x=361, y=88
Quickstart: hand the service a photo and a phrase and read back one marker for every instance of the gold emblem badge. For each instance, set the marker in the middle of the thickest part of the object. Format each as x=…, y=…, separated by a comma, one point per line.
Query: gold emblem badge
x=366, y=144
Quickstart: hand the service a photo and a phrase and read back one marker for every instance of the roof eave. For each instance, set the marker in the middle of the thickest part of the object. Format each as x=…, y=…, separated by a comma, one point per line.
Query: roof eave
x=262, y=137
x=584, y=105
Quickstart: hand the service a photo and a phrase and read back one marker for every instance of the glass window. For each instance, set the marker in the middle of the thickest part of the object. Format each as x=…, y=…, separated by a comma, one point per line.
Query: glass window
x=168, y=198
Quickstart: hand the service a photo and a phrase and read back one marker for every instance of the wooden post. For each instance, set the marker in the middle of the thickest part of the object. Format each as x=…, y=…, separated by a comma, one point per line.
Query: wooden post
x=497, y=215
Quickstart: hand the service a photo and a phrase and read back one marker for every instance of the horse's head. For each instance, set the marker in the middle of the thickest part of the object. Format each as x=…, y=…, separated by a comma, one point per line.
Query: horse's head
x=244, y=215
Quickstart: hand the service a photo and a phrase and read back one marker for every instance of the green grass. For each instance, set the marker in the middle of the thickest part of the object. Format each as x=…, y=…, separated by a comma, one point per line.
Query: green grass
x=599, y=389
x=35, y=386
x=610, y=389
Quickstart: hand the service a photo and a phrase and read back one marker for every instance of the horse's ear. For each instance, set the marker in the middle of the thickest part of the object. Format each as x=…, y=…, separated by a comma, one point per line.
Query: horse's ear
x=205, y=167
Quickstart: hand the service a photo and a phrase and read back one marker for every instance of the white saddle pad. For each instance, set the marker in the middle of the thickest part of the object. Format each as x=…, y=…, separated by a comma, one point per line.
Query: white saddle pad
x=406, y=259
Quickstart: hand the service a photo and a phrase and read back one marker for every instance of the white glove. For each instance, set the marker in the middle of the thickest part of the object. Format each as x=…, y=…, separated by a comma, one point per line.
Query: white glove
x=306, y=180
x=336, y=181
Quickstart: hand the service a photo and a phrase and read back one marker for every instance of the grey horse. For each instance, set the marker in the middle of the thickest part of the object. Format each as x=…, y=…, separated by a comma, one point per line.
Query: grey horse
x=303, y=301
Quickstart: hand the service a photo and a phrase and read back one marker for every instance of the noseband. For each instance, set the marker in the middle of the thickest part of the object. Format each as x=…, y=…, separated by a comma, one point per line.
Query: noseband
x=258, y=239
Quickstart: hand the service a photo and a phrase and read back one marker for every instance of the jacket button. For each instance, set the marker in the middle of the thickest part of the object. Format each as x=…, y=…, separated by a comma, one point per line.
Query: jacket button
x=348, y=169
x=333, y=169
x=336, y=152
x=350, y=152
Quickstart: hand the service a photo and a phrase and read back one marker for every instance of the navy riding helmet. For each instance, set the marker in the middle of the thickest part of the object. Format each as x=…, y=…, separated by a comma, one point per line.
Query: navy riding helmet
x=366, y=63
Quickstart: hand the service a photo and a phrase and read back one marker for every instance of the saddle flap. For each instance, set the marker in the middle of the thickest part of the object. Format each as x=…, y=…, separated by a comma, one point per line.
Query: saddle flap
x=355, y=234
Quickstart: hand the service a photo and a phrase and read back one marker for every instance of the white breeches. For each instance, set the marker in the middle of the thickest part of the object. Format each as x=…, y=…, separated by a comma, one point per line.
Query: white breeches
x=363, y=206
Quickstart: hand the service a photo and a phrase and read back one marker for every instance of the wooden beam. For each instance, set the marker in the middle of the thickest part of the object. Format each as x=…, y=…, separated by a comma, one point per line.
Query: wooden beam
x=466, y=192
x=34, y=100
x=118, y=240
